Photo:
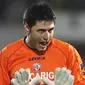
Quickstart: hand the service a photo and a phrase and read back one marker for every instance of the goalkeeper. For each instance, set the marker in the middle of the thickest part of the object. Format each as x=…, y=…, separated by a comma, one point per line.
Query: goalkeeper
x=39, y=50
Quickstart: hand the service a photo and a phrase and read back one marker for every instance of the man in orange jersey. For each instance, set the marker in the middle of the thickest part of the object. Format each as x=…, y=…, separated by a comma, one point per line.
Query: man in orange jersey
x=39, y=51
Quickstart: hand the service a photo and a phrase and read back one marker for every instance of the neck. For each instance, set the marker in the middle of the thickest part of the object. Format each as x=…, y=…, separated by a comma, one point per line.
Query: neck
x=26, y=40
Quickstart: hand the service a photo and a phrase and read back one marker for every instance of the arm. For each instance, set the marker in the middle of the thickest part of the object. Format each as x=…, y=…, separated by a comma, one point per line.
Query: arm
x=4, y=76
x=74, y=63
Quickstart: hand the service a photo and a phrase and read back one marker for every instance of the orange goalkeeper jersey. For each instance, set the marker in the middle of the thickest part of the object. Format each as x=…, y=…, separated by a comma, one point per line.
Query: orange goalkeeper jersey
x=59, y=54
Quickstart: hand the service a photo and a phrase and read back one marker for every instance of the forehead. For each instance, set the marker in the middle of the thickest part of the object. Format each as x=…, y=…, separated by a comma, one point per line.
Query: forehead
x=44, y=24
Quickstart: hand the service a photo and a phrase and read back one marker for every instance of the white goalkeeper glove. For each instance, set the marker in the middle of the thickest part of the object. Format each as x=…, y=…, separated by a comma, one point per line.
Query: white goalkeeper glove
x=62, y=77
x=22, y=78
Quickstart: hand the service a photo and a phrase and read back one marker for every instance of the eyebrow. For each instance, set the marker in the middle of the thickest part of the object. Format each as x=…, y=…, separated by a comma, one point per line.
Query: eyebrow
x=51, y=29
x=45, y=29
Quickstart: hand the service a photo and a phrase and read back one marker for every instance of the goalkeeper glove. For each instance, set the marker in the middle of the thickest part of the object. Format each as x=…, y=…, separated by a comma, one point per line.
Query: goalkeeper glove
x=22, y=78
x=62, y=77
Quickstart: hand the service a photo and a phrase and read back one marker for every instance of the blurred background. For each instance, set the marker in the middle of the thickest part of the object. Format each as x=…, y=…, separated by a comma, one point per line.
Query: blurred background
x=70, y=22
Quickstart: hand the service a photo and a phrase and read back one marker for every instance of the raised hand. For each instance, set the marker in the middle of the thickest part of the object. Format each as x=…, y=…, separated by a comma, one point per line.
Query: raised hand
x=21, y=77
x=62, y=77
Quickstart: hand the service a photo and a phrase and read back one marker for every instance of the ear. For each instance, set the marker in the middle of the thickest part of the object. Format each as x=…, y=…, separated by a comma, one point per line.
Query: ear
x=26, y=26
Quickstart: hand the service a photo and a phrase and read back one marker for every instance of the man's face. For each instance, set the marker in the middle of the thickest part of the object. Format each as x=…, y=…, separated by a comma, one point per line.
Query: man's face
x=40, y=35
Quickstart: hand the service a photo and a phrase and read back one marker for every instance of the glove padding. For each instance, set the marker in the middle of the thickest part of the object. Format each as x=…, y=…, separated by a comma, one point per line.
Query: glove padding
x=62, y=77
x=22, y=78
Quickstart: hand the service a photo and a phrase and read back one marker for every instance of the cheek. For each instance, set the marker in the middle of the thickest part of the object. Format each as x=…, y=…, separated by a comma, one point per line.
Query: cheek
x=52, y=34
x=36, y=37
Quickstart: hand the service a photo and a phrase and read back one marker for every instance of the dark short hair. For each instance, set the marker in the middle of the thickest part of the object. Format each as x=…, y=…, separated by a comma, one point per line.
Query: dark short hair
x=38, y=12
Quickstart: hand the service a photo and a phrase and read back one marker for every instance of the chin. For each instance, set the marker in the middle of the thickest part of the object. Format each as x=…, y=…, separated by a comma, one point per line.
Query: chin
x=42, y=49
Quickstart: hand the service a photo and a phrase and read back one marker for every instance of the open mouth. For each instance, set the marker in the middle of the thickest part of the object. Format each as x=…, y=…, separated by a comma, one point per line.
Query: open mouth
x=43, y=44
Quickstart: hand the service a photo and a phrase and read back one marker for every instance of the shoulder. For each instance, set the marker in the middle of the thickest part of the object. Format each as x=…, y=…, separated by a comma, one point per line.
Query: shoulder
x=63, y=46
x=12, y=48
x=60, y=43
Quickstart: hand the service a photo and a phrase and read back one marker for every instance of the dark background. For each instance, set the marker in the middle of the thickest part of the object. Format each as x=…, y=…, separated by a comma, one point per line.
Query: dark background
x=70, y=22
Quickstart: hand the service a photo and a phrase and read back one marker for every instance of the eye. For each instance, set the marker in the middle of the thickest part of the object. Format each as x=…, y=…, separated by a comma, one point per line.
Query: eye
x=41, y=31
x=50, y=30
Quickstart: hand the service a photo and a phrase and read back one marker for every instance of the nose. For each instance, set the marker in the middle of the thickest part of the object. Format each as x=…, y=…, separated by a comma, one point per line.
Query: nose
x=46, y=36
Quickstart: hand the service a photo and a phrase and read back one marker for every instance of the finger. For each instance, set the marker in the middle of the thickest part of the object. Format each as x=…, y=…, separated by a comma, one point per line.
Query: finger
x=66, y=76
x=24, y=74
x=47, y=81
x=57, y=73
x=14, y=82
x=70, y=80
x=18, y=76
x=27, y=74
x=62, y=73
